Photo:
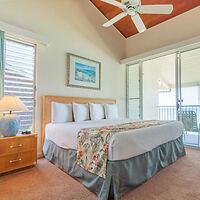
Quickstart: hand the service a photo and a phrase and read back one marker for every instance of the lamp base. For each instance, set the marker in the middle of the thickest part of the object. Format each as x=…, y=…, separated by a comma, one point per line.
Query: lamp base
x=9, y=125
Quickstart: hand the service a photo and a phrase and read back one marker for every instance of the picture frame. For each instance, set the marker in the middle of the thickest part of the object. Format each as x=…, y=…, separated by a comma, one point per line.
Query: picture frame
x=83, y=72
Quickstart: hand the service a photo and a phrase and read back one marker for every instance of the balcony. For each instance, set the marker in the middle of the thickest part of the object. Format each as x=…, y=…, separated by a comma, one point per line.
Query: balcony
x=190, y=118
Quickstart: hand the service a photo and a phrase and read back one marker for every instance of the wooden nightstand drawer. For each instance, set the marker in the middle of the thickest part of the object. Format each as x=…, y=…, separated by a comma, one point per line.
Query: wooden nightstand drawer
x=16, y=145
x=18, y=152
x=18, y=160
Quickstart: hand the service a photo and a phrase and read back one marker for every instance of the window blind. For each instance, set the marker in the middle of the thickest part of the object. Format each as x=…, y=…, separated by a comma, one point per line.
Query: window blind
x=19, y=77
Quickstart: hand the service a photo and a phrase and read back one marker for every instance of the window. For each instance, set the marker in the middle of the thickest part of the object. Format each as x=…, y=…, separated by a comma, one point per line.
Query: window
x=19, y=77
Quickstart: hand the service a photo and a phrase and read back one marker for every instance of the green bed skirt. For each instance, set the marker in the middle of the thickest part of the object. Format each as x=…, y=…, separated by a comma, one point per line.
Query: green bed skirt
x=122, y=176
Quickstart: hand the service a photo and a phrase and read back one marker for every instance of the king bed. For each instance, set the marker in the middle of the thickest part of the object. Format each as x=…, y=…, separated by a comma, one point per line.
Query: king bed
x=134, y=156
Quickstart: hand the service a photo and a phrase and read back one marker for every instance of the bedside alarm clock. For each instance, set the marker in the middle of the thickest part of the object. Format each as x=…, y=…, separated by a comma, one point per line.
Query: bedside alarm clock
x=26, y=132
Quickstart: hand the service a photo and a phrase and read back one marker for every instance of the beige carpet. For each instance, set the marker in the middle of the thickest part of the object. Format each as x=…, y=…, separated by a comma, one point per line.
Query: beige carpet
x=179, y=181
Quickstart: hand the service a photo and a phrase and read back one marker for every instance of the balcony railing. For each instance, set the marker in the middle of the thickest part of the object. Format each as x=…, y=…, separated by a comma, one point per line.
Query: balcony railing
x=169, y=112
x=190, y=118
x=190, y=115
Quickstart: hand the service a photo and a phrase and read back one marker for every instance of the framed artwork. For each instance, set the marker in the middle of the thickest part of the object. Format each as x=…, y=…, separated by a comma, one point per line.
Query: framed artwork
x=83, y=72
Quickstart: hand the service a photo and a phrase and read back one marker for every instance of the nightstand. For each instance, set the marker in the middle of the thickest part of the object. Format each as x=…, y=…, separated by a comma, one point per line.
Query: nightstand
x=18, y=152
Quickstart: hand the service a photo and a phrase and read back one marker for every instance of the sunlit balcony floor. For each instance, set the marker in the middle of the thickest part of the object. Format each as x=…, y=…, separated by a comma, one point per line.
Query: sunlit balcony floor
x=192, y=138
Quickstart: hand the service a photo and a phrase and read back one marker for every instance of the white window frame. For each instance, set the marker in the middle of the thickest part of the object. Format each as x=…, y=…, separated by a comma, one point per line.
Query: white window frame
x=28, y=42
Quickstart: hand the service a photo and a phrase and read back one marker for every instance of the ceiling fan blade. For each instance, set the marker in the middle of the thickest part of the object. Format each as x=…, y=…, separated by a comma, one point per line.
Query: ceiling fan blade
x=115, y=19
x=114, y=3
x=138, y=23
x=156, y=9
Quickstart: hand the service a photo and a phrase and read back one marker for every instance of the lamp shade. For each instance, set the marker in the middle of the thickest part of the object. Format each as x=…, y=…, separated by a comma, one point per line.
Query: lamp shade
x=12, y=104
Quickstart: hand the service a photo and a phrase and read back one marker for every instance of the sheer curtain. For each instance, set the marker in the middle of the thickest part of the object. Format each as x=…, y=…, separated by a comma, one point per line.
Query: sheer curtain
x=1, y=62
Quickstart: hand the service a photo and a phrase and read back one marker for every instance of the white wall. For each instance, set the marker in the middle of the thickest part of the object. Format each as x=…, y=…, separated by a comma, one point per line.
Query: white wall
x=70, y=26
x=180, y=28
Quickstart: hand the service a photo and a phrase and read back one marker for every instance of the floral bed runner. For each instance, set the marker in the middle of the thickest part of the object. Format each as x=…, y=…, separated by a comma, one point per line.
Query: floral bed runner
x=92, y=153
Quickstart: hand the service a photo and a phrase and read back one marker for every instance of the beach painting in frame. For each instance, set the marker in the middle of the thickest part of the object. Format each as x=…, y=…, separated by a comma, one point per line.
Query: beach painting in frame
x=83, y=72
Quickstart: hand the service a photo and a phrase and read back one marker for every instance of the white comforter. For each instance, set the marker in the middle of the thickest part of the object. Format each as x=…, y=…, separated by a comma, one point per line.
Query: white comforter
x=122, y=145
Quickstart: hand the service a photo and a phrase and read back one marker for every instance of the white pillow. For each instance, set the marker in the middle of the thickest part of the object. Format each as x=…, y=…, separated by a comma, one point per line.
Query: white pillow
x=111, y=111
x=96, y=111
x=81, y=112
x=61, y=113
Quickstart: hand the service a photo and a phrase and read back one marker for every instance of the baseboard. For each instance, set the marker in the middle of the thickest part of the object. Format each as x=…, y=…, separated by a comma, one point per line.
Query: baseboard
x=40, y=155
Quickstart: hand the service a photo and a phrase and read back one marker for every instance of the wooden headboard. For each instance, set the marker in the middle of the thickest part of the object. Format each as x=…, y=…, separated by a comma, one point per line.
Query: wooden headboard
x=46, y=118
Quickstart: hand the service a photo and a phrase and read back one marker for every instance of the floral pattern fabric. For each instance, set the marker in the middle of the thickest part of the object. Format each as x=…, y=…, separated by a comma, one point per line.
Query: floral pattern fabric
x=92, y=153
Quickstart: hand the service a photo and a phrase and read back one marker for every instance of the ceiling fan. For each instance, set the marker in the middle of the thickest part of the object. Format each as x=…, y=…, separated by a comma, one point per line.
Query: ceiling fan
x=133, y=7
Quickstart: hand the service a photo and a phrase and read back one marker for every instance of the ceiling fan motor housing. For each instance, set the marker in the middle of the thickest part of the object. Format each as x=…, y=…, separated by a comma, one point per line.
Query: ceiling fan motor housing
x=132, y=6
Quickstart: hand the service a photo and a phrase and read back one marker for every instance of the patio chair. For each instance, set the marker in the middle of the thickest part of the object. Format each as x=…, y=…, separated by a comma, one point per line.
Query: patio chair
x=189, y=119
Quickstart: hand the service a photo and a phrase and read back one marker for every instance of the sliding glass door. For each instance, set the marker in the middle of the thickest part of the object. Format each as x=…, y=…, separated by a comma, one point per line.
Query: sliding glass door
x=159, y=88
x=189, y=78
x=167, y=88
x=134, y=99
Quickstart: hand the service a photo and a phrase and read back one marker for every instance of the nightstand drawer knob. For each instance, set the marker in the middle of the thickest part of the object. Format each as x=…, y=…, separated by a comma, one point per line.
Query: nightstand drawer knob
x=19, y=145
x=13, y=161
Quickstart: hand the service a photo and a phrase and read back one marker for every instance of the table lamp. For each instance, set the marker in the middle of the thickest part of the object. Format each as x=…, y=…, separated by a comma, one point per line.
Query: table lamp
x=9, y=124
